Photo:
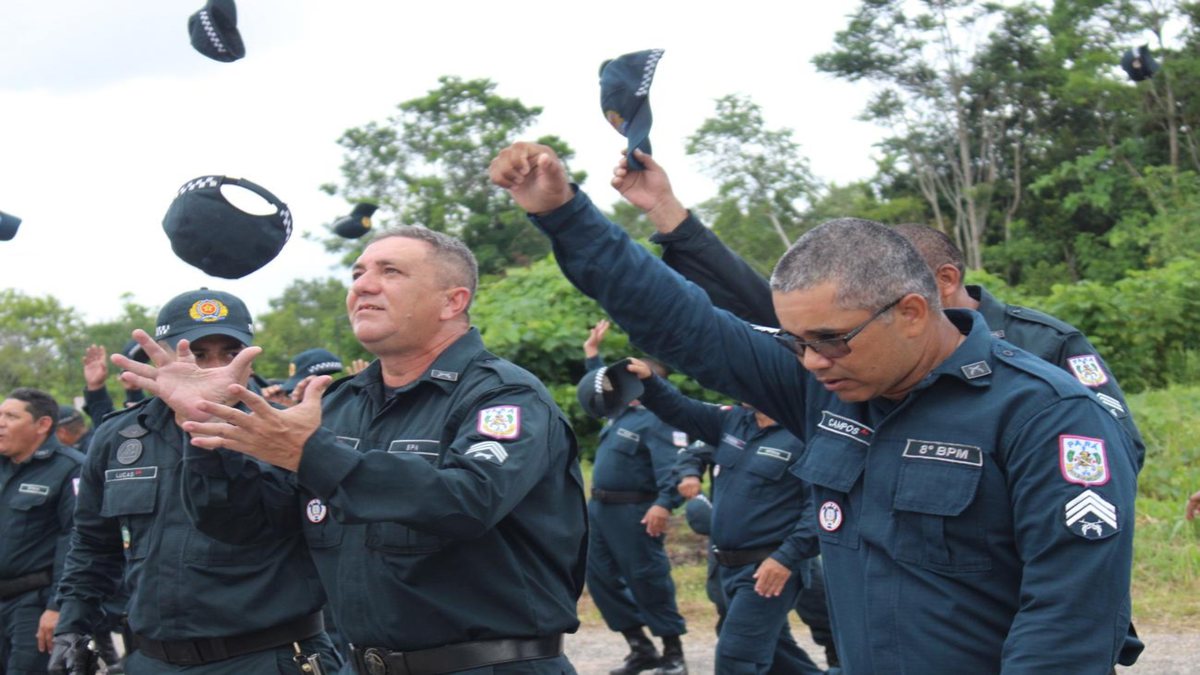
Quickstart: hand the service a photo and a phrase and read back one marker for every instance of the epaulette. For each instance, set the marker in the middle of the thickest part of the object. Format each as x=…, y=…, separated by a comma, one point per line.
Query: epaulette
x=126, y=409
x=1020, y=313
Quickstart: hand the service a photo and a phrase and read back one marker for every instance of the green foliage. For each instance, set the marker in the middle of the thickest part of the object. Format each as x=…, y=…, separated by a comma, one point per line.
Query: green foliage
x=41, y=345
x=311, y=313
x=1144, y=325
x=427, y=165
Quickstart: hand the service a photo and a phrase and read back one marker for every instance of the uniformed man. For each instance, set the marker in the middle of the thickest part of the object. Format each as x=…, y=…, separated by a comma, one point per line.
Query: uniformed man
x=71, y=429
x=96, y=401
x=197, y=605
x=633, y=494
x=762, y=533
x=439, y=489
x=975, y=504
x=37, y=498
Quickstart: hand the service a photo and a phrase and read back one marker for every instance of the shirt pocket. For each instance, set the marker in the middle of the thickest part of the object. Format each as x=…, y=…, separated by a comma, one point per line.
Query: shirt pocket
x=763, y=475
x=321, y=529
x=132, y=503
x=34, y=517
x=401, y=539
x=933, y=530
x=833, y=467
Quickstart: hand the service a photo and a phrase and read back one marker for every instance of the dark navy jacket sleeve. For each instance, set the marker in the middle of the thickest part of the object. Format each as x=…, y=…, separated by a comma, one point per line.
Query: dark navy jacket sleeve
x=97, y=403
x=66, y=522
x=593, y=362
x=697, y=419
x=801, y=544
x=1081, y=359
x=694, y=460
x=664, y=314
x=481, y=480
x=1073, y=609
x=93, y=563
x=731, y=283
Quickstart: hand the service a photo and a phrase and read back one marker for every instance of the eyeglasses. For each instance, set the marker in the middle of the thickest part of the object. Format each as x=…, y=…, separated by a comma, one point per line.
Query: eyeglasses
x=834, y=347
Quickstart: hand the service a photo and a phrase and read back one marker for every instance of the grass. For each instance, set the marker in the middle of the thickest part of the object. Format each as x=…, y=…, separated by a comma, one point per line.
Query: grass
x=1166, y=573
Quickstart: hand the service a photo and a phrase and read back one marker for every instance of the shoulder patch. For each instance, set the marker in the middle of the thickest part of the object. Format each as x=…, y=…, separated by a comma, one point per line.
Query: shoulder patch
x=316, y=511
x=1087, y=369
x=1083, y=460
x=502, y=422
x=1090, y=516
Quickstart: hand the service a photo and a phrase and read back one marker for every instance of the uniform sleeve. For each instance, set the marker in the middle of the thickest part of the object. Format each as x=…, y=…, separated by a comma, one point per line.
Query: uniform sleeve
x=501, y=449
x=1079, y=358
x=801, y=543
x=95, y=559
x=1075, y=538
x=693, y=460
x=237, y=499
x=593, y=362
x=670, y=318
x=664, y=450
x=66, y=522
x=697, y=419
x=97, y=403
x=730, y=282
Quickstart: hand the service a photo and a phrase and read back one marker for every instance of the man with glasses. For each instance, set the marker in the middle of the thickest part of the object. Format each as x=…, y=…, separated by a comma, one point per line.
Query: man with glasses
x=974, y=503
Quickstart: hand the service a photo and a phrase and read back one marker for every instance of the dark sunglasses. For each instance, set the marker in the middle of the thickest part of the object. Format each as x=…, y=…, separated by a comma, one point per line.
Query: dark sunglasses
x=834, y=347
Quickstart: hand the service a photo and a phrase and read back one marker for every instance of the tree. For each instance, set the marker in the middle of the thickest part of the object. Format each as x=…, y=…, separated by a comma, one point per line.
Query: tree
x=41, y=344
x=762, y=178
x=311, y=313
x=427, y=165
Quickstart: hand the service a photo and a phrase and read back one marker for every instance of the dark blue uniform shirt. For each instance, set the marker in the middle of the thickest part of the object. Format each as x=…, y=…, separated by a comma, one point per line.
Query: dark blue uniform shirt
x=184, y=583
x=757, y=500
x=37, y=500
x=983, y=523
x=637, y=452
x=451, y=511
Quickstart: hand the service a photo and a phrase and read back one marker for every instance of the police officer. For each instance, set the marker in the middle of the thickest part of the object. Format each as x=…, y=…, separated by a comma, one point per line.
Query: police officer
x=37, y=499
x=96, y=401
x=633, y=494
x=763, y=536
x=439, y=489
x=198, y=605
x=71, y=429
x=974, y=503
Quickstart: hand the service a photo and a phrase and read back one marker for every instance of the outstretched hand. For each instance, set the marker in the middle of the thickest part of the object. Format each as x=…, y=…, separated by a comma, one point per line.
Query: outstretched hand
x=650, y=191
x=178, y=381
x=591, y=346
x=533, y=175
x=95, y=367
x=275, y=436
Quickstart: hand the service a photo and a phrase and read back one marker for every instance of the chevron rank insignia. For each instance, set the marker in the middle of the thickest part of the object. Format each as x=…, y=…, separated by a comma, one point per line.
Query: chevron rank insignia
x=1090, y=516
x=488, y=451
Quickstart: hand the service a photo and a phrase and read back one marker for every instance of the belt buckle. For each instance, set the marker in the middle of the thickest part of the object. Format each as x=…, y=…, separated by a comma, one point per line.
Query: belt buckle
x=374, y=661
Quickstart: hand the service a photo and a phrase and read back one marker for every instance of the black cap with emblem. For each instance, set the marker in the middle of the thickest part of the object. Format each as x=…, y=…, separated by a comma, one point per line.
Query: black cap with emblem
x=8, y=226
x=605, y=391
x=214, y=32
x=357, y=223
x=208, y=232
x=201, y=313
x=311, y=362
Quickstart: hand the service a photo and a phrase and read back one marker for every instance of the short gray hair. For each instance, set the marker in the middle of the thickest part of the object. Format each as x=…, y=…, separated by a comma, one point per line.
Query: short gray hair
x=456, y=261
x=870, y=264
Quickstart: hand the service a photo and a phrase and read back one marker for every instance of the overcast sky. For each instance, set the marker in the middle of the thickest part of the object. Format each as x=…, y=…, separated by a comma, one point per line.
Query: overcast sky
x=105, y=110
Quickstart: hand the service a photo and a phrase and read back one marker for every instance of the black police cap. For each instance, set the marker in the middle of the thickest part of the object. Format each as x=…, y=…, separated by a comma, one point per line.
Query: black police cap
x=67, y=414
x=133, y=350
x=357, y=223
x=200, y=313
x=698, y=513
x=311, y=362
x=214, y=31
x=208, y=232
x=1139, y=64
x=604, y=392
x=8, y=226
x=625, y=98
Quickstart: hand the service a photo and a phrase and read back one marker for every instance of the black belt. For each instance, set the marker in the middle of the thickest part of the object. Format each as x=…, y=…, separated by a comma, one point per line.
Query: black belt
x=454, y=657
x=209, y=650
x=11, y=588
x=743, y=556
x=618, y=497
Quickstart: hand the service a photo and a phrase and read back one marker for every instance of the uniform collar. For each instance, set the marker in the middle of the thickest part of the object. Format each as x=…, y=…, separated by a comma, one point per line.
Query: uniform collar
x=47, y=449
x=991, y=308
x=972, y=361
x=445, y=371
x=155, y=414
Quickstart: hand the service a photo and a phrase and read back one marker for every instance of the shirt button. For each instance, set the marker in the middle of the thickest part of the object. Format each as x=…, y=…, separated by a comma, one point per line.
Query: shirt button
x=1007, y=352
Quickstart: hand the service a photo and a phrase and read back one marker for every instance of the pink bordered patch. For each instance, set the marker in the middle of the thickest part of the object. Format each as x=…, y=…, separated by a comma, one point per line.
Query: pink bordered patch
x=830, y=516
x=1087, y=369
x=502, y=422
x=1083, y=460
x=316, y=511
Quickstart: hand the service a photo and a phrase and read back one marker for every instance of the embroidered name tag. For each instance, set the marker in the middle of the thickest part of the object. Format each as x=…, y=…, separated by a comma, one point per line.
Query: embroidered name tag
x=734, y=441
x=140, y=473
x=775, y=453
x=847, y=427
x=33, y=489
x=420, y=446
x=944, y=452
x=631, y=435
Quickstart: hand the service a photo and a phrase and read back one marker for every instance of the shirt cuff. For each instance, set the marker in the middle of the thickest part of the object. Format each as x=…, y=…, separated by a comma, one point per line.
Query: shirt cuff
x=325, y=463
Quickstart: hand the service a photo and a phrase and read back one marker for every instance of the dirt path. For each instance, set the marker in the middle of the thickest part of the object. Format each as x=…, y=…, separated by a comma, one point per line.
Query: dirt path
x=594, y=650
